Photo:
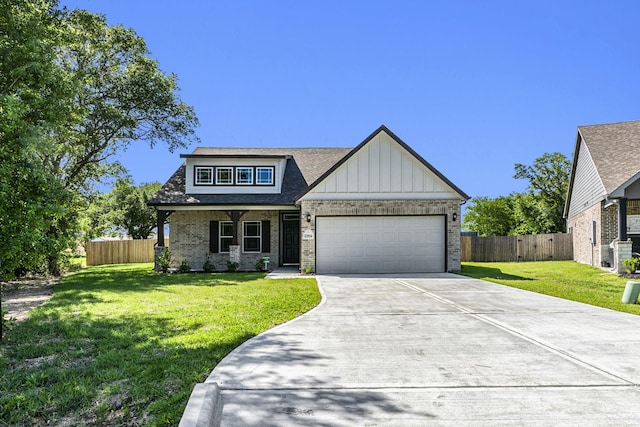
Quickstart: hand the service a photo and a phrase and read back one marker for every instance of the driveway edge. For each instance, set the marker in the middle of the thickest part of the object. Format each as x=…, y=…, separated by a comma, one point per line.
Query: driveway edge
x=204, y=407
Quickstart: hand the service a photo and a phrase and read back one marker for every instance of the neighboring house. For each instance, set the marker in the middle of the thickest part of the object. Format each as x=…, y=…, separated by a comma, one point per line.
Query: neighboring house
x=603, y=201
x=376, y=208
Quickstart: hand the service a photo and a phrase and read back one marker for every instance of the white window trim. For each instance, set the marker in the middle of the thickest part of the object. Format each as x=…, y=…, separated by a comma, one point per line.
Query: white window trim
x=227, y=168
x=199, y=168
x=270, y=169
x=259, y=237
x=220, y=236
x=244, y=168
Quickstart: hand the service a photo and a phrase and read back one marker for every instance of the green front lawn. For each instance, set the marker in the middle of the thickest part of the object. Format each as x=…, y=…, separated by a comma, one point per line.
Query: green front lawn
x=121, y=345
x=565, y=279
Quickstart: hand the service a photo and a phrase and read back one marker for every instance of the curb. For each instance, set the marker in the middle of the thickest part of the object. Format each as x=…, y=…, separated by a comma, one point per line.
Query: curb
x=203, y=407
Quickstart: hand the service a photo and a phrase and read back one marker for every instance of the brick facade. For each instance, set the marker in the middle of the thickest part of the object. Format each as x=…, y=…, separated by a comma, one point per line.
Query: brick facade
x=606, y=218
x=189, y=231
x=382, y=207
x=580, y=226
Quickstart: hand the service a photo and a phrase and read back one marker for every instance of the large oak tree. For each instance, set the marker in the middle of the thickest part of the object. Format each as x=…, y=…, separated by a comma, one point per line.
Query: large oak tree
x=76, y=91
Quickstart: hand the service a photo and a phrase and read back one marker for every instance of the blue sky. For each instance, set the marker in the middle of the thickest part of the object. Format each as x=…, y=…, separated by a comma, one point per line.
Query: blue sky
x=473, y=86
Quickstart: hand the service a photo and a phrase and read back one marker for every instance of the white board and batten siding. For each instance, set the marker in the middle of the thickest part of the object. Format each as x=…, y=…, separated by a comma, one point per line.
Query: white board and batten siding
x=382, y=170
x=587, y=186
x=380, y=244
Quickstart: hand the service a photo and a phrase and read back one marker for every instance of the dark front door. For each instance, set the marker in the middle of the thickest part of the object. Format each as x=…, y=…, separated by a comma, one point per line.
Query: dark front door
x=291, y=246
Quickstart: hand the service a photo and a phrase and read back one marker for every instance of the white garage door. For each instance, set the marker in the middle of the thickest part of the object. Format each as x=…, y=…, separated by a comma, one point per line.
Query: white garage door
x=380, y=244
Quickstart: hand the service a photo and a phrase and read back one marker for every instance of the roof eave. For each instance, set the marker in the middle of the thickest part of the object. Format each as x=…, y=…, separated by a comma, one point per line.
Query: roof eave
x=235, y=156
x=619, y=192
x=576, y=151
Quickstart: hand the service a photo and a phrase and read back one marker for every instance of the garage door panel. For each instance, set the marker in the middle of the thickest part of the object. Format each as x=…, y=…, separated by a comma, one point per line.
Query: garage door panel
x=398, y=244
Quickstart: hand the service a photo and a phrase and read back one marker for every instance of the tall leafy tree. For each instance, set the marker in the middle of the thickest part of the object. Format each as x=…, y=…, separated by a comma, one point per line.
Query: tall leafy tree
x=74, y=91
x=548, y=178
x=490, y=217
x=125, y=208
x=134, y=215
x=120, y=96
x=33, y=103
x=537, y=211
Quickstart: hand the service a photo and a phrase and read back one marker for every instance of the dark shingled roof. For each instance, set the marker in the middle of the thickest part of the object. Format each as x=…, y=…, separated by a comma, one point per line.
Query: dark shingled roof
x=303, y=168
x=615, y=150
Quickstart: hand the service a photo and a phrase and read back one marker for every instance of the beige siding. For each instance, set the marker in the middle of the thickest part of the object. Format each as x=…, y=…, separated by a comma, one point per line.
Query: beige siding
x=587, y=187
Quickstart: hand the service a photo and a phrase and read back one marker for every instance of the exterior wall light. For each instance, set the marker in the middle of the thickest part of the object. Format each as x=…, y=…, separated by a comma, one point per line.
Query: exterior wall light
x=454, y=216
x=308, y=217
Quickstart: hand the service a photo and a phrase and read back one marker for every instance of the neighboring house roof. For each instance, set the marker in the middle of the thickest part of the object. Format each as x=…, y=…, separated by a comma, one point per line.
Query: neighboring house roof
x=304, y=167
x=613, y=150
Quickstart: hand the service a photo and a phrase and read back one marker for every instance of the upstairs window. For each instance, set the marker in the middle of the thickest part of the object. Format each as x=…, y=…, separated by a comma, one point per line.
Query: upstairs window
x=224, y=176
x=244, y=176
x=264, y=176
x=234, y=175
x=204, y=175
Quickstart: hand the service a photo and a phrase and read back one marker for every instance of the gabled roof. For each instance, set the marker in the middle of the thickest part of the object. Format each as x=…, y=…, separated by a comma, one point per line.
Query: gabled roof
x=615, y=150
x=304, y=167
x=384, y=129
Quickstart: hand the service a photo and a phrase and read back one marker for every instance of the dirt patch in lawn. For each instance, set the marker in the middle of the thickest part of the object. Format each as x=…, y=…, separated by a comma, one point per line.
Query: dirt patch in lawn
x=21, y=295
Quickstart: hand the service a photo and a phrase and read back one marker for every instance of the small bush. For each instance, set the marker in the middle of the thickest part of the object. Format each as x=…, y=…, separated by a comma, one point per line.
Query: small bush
x=631, y=264
x=260, y=265
x=164, y=260
x=232, y=267
x=184, y=267
x=208, y=266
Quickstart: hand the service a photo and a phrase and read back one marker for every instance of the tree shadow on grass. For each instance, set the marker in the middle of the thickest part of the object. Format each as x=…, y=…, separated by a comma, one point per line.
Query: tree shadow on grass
x=74, y=363
x=488, y=273
x=100, y=371
x=118, y=278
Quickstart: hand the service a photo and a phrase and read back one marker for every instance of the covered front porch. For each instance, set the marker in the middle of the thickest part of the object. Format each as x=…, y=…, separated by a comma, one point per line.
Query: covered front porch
x=621, y=231
x=232, y=237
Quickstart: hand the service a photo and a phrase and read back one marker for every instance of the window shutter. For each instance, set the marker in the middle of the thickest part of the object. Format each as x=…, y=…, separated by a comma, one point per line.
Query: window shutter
x=266, y=236
x=213, y=237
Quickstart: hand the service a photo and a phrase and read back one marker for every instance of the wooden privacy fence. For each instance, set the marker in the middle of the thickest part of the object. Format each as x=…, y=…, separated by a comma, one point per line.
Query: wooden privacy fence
x=535, y=247
x=120, y=251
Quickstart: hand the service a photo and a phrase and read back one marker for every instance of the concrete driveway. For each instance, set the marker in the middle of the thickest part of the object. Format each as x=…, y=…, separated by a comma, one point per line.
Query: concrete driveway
x=436, y=349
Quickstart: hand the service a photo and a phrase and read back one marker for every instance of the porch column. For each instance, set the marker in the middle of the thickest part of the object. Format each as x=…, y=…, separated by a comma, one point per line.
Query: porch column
x=622, y=219
x=234, y=248
x=162, y=219
x=235, y=219
x=158, y=248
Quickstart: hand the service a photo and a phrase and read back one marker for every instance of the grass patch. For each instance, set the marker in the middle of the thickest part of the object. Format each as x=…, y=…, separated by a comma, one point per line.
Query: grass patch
x=121, y=345
x=565, y=279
